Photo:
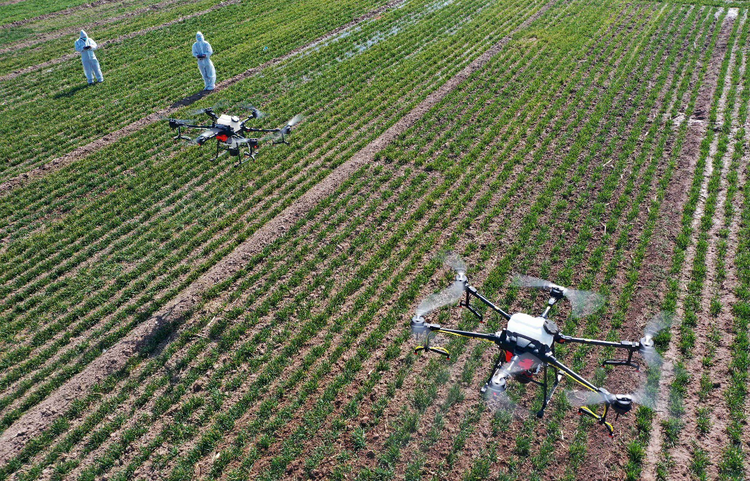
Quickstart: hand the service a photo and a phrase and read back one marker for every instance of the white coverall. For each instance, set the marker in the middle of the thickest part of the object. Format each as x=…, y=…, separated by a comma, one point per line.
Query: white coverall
x=91, y=68
x=202, y=51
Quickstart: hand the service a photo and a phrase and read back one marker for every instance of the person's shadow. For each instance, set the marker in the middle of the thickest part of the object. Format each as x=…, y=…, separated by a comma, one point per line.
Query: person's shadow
x=70, y=92
x=192, y=99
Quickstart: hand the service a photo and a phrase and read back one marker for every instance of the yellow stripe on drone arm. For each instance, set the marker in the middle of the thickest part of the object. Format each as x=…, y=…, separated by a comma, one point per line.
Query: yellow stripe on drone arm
x=464, y=335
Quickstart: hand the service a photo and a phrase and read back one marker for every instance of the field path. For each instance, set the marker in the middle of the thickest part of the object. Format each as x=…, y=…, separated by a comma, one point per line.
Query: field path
x=40, y=417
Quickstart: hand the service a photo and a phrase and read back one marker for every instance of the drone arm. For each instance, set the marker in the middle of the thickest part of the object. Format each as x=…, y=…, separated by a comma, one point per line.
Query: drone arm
x=552, y=361
x=456, y=332
x=629, y=345
x=555, y=295
x=601, y=419
x=471, y=290
x=253, y=129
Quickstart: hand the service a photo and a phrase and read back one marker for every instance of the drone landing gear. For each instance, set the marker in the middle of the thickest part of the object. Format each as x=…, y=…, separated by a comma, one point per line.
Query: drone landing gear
x=548, y=397
x=426, y=348
x=245, y=156
x=218, y=154
x=599, y=419
x=623, y=362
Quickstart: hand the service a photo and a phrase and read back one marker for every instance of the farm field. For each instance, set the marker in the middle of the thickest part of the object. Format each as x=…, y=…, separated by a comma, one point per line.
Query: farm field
x=167, y=316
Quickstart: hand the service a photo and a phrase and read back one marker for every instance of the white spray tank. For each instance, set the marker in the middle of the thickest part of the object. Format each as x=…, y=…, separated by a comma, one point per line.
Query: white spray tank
x=536, y=328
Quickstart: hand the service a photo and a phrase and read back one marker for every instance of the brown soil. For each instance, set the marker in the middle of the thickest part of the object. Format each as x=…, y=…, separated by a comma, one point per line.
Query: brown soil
x=40, y=417
x=713, y=443
x=569, y=426
x=290, y=427
x=674, y=203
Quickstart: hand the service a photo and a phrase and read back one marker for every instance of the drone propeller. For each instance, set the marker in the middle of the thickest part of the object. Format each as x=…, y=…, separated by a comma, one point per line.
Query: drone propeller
x=454, y=261
x=582, y=303
x=622, y=403
x=220, y=105
x=446, y=297
x=255, y=113
x=174, y=123
x=657, y=324
x=495, y=391
x=285, y=130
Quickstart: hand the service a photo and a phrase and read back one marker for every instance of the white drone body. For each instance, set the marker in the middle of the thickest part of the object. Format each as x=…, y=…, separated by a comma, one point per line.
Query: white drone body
x=231, y=121
x=536, y=328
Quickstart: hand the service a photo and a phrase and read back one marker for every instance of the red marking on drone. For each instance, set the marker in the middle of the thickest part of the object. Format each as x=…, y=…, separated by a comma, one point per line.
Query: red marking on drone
x=222, y=137
x=526, y=364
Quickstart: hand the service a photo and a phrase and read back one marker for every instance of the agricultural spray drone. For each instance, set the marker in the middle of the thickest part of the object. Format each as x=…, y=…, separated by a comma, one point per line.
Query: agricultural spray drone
x=229, y=132
x=527, y=345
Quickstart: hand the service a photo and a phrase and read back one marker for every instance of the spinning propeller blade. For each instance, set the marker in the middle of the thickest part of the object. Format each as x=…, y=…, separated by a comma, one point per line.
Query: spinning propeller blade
x=501, y=403
x=582, y=303
x=658, y=323
x=643, y=396
x=495, y=391
x=446, y=297
x=454, y=261
x=295, y=120
x=255, y=113
x=220, y=105
x=285, y=130
x=179, y=122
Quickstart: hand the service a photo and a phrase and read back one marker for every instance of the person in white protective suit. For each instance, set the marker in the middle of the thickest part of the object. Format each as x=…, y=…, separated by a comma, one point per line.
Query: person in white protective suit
x=202, y=51
x=91, y=68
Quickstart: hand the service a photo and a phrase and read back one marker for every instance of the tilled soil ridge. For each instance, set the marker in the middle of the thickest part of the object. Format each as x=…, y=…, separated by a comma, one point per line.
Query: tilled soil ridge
x=40, y=418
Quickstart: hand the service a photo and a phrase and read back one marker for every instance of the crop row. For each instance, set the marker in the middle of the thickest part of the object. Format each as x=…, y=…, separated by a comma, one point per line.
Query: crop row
x=692, y=304
x=22, y=251
x=729, y=462
x=15, y=11
x=313, y=179
x=40, y=41
x=94, y=316
x=581, y=357
x=137, y=84
x=636, y=448
x=290, y=444
x=305, y=360
x=625, y=237
x=733, y=455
